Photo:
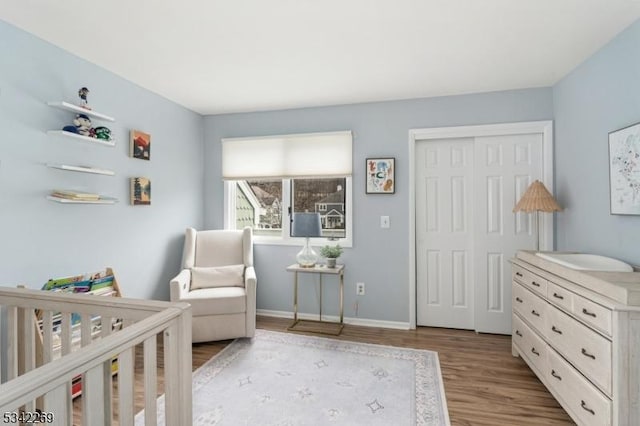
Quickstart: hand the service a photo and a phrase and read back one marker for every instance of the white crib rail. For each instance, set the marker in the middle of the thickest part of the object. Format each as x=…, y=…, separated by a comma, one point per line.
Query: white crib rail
x=51, y=381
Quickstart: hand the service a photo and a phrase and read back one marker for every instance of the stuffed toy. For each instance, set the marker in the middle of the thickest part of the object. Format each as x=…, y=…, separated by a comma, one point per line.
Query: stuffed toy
x=103, y=133
x=83, y=124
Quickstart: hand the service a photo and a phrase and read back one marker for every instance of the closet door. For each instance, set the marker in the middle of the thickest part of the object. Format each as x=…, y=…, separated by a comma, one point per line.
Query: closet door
x=465, y=228
x=444, y=233
x=504, y=168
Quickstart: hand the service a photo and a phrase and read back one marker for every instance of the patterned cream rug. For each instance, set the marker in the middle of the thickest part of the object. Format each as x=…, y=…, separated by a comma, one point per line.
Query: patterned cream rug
x=291, y=379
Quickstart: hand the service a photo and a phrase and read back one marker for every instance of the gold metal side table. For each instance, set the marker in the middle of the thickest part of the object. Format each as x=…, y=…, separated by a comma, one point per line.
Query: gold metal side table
x=328, y=327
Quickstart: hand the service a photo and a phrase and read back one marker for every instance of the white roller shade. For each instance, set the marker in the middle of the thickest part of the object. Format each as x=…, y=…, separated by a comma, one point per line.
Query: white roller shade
x=288, y=156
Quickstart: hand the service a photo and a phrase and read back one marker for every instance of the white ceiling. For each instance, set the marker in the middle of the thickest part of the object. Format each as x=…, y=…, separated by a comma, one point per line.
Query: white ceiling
x=215, y=56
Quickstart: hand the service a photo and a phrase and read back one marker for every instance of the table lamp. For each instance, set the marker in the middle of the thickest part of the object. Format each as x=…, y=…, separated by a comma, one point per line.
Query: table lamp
x=537, y=199
x=306, y=225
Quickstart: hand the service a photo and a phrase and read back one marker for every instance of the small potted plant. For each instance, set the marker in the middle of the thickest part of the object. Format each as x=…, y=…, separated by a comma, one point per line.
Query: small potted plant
x=331, y=253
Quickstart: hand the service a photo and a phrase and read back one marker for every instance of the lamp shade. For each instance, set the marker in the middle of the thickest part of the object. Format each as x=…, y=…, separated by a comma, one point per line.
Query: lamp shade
x=537, y=199
x=306, y=225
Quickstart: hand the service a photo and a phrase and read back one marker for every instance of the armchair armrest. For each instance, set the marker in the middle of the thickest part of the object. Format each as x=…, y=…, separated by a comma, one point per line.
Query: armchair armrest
x=179, y=285
x=250, y=284
x=250, y=280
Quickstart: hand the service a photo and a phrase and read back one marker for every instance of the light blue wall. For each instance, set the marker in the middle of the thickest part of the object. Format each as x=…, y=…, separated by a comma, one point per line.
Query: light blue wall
x=601, y=95
x=379, y=257
x=40, y=239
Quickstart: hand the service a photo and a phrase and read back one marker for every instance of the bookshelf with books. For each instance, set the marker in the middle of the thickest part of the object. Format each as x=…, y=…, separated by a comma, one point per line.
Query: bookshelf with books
x=102, y=283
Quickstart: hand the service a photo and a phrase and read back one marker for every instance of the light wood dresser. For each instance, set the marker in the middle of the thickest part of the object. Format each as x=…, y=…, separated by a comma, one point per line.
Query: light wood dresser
x=579, y=331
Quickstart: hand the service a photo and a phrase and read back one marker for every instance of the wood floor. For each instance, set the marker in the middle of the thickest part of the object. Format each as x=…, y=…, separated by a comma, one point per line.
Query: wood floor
x=484, y=383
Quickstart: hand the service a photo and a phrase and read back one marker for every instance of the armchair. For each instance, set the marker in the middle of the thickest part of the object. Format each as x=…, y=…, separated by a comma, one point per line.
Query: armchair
x=219, y=281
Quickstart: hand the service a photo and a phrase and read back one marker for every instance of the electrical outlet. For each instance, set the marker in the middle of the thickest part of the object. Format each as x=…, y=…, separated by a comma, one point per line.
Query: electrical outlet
x=359, y=289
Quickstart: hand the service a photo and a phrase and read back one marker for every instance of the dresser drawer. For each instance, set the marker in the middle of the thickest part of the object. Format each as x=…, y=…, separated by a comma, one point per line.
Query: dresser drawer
x=529, y=306
x=581, y=346
x=529, y=343
x=559, y=296
x=530, y=280
x=581, y=398
x=596, y=315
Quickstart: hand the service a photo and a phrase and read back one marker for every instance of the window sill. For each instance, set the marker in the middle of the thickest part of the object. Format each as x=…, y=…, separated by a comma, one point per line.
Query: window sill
x=315, y=242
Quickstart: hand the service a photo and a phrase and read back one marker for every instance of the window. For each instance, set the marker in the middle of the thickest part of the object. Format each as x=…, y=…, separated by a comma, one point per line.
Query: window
x=265, y=205
x=269, y=178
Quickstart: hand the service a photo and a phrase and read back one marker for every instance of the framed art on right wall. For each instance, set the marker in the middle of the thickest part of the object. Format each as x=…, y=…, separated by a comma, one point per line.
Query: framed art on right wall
x=381, y=176
x=624, y=170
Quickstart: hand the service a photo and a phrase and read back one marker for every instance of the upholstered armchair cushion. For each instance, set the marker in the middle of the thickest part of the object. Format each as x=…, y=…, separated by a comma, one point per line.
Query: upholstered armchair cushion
x=217, y=276
x=221, y=300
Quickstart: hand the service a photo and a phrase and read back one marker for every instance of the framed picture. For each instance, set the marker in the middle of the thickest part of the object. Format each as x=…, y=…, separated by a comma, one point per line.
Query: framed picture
x=381, y=175
x=140, y=191
x=140, y=145
x=624, y=170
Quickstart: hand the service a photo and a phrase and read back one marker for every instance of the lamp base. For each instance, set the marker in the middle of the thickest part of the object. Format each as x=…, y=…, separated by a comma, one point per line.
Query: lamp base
x=307, y=257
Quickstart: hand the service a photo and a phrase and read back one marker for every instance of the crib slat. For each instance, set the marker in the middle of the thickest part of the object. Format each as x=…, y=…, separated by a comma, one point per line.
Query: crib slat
x=85, y=327
x=56, y=402
x=125, y=387
x=29, y=348
x=105, y=327
x=92, y=398
x=47, y=337
x=12, y=342
x=171, y=371
x=150, y=382
x=65, y=333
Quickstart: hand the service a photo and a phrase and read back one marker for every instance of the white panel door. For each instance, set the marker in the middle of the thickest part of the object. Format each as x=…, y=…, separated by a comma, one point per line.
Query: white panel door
x=444, y=233
x=504, y=166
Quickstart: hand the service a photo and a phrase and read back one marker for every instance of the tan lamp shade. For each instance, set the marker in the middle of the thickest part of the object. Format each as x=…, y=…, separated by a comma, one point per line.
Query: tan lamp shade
x=537, y=199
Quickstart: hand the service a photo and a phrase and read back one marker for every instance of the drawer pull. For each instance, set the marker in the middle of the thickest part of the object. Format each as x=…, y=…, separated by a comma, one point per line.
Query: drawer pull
x=585, y=353
x=535, y=284
x=535, y=313
x=591, y=314
x=557, y=296
x=554, y=374
x=518, y=333
x=556, y=330
x=585, y=408
x=518, y=300
x=533, y=350
x=518, y=274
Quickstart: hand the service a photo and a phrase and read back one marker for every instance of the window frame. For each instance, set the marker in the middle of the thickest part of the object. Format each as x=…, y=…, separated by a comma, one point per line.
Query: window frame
x=285, y=238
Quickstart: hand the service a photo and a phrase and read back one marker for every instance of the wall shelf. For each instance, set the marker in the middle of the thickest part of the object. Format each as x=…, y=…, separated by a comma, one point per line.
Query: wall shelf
x=102, y=200
x=79, y=110
x=81, y=137
x=82, y=169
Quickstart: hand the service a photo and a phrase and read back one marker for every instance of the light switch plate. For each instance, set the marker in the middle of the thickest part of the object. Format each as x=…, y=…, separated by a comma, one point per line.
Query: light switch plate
x=384, y=222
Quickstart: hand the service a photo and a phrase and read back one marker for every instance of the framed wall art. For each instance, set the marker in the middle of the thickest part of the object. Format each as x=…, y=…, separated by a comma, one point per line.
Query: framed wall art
x=624, y=170
x=140, y=145
x=140, y=191
x=381, y=175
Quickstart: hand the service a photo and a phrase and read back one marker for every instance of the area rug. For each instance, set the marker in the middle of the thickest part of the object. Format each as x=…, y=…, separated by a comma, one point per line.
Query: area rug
x=291, y=379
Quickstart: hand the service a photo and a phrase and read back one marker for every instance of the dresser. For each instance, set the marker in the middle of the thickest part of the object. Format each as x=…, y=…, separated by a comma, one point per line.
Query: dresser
x=579, y=331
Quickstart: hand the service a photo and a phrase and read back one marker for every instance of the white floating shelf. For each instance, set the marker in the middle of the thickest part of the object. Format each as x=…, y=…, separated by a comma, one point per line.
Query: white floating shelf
x=81, y=137
x=102, y=200
x=77, y=109
x=83, y=169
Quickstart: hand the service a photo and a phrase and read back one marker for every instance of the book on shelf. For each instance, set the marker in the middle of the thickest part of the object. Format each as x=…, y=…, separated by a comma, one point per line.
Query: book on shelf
x=70, y=194
x=85, y=283
x=98, y=283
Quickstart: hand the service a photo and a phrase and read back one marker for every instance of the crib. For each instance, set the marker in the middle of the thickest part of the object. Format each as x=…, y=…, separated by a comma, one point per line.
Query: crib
x=38, y=365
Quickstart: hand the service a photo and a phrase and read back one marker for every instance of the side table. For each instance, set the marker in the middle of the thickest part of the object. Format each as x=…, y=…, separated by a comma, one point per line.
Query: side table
x=298, y=325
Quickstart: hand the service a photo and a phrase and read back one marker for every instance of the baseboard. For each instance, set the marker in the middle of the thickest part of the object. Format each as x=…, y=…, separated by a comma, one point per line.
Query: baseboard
x=352, y=321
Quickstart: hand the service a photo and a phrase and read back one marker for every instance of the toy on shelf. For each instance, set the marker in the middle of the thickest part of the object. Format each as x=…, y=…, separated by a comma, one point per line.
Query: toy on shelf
x=81, y=125
x=103, y=133
x=83, y=92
